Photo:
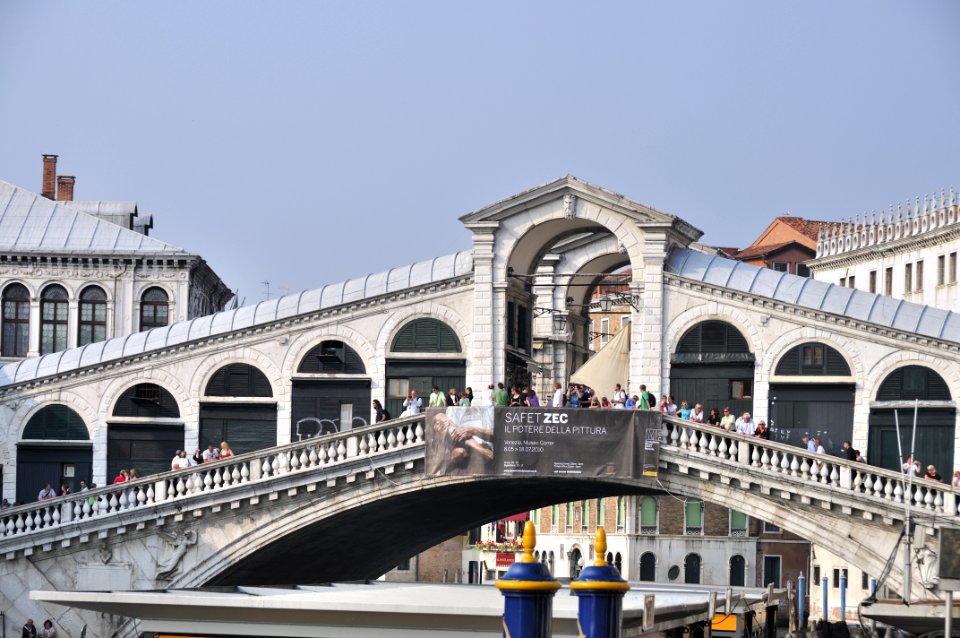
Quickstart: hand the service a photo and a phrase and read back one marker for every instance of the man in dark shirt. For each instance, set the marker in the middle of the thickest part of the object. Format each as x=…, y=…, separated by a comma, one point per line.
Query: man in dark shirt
x=848, y=452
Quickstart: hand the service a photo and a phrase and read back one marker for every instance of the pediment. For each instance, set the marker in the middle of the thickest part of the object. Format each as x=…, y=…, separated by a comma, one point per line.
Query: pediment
x=570, y=185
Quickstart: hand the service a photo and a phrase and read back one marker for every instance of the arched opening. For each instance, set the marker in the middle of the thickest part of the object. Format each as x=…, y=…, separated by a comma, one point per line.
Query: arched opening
x=648, y=567
x=712, y=365
x=812, y=395
x=92, y=326
x=56, y=449
x=576, y=563
x=238, y=408
x=407, y=370
x=936, y=421
x=54, y=319
x=154, y=308
x=331, y=391
x=16, y=321
x=691, y=569
x=738, y=571
x=618, y=562
x=144, y=431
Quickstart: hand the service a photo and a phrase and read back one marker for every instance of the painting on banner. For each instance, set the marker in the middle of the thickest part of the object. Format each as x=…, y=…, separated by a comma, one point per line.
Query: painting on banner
x=459, y=441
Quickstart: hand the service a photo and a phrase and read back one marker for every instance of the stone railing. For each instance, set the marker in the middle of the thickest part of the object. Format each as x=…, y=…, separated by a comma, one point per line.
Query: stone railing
x=841, y=237
x=883, y=487
x=260, y=466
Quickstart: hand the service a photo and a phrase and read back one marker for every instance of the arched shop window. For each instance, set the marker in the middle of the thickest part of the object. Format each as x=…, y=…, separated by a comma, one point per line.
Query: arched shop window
x=54, y=313
x=936, y=419
x=813, y=358
x=648, y=567
x=16, y=321
x=154, y=309
x=738, y=571
x=144, y=431
x=92, y=326
x=332, y=356
x=235, y=409
x=710, y=339
x=426, y=335
x=691, y=569
x=55, y=447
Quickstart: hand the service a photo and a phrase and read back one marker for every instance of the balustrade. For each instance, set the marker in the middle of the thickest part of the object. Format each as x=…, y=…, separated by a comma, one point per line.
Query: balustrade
x=779, y=460
x=263, y=465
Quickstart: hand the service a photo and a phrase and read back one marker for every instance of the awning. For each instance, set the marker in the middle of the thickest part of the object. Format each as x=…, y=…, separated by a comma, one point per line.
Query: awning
x=517, y=517
x=610, y=366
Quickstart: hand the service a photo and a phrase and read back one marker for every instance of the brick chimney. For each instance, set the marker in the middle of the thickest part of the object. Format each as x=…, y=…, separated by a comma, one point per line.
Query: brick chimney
x=65, y=188
x=49, y=176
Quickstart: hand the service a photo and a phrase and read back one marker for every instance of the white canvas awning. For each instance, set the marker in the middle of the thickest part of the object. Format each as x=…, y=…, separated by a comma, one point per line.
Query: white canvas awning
x=610, y=366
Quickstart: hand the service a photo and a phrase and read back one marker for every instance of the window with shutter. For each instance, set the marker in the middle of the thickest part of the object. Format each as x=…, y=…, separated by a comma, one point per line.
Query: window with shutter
x=913, y=382
x=56, y=422
x=811, y=359
x=426, y=335
x=239, y=380
x=332, y=357
x=147, y=400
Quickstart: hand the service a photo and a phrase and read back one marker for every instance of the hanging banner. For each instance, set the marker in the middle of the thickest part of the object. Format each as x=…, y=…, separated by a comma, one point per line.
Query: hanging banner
x=539, y=442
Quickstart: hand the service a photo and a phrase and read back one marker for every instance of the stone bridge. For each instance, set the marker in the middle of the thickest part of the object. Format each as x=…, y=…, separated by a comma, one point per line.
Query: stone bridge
x=353, y=505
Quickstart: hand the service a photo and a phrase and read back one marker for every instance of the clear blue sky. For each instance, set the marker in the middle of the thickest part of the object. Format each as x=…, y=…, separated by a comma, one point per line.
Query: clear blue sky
x=307, y=142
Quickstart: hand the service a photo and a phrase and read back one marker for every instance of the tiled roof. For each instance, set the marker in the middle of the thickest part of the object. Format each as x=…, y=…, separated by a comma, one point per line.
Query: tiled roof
x=759, y=251
x=808, y=227
x=32, y=223
x=344, y=292
x=817, y=295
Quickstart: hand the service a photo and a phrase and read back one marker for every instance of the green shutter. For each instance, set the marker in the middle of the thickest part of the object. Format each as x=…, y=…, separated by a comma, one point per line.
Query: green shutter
x=426, y=335
x=738, y=520
x=648, y=511
x=56, y=423
x=694, y=517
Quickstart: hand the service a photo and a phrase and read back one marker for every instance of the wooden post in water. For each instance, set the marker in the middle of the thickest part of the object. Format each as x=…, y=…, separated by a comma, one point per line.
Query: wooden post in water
x=791, y=609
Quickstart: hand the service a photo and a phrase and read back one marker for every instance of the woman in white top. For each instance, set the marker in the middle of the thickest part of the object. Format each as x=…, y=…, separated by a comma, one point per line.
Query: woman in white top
x=557, y=396
x=697, y=414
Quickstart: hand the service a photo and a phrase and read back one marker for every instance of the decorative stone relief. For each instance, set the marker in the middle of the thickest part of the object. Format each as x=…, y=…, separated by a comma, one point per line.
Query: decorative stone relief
x=569, y=205
x=170, y=555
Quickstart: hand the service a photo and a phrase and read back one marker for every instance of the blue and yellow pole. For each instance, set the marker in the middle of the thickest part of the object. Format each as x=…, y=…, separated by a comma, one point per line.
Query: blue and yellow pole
x=600, y=590
x=528, y=589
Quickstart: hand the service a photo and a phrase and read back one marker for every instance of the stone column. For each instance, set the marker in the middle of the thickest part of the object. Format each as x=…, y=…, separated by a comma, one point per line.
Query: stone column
x=482, y=368
x=646, y=356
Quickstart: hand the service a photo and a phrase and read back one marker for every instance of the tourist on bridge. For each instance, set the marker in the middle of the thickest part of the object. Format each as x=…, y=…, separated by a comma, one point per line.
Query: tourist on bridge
x=225, y=451
x=632, y=402
x=197, y=458
x=464, y=400
x=667, y=406
x=809, y=444
x=728, y=421
x=211, y=454
x=647, y=399
x=501, y=398
x=956, y=479
x=619, y=397
x=696, y=414
x=714, y=417
x=46, y=493
x=486, y=397
x=412, y=404
x=180, y=461
x=530, y=398
x=685, y=410
x=452, y=398
x=761, y=432
x=745, y=425
x=573, y=397
x=557, y=401
x=436, y=400
x=29, y=629
x=848, y=452
x=932, y=474
x=380, y=414
x=48, y=631
x=911, y=466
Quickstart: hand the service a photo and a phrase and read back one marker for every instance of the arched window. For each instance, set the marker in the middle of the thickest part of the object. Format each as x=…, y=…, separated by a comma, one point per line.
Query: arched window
x=621, y=513
x=738, y=570
x=54, y=311
x=648, y=515
x=154, y=309
x=16, y=321
x=426, y=335
x=57, y=423
x=93, y=316
x=238, y=380
x=812, y=359
x=575, y=565
x=648, y=567
x=332, y=356
x=913, y=382
x=147, y=400
x=712, y=341
x=618, y=562
x=691, y=568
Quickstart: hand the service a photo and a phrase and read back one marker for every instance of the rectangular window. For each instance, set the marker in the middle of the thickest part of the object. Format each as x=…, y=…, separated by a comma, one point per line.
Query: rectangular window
x=693, y=517
x=812, y=356
x=554, y=517
x=591, y=336
x=770, y=528
x=843, y=282
x=888, y=282
x=585, y=514
x=816, y=574
x=781, y=266
x=919, y=285
x=604, y=332
x=346, y=416
x=771, y=571
x=511, y=323
x=741, y=389
x=738, y=523
x=398, y=388
x=941, y=270
x=836, y=577
x=908, y=278
x=523, y=335
x=569, y=517
x=803, y=270
x=601, y=512
x=648, y=515
x=404, y=566
x=873, y=281
x=624, y=320
x=851, y=282
x=952, y=269
x=865, y=581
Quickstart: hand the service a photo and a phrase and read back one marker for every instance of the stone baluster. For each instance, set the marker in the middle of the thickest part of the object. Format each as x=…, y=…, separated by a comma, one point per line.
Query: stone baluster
x=785, y=463
x=722, y=449
x=774, y=460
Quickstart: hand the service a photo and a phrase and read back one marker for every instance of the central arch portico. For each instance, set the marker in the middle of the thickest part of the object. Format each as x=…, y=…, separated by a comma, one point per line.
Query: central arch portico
x=511, y=237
